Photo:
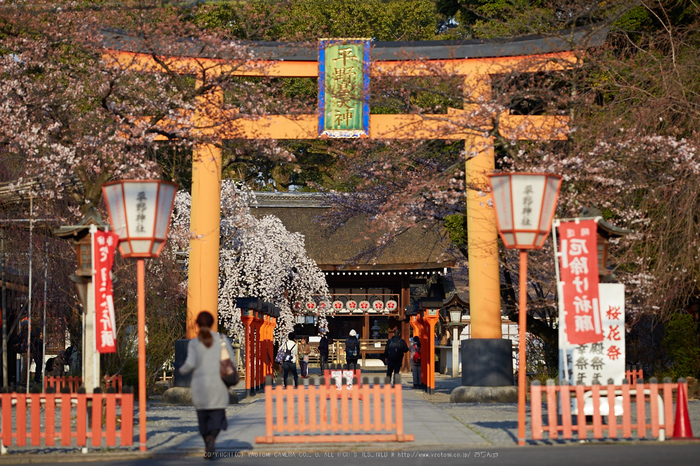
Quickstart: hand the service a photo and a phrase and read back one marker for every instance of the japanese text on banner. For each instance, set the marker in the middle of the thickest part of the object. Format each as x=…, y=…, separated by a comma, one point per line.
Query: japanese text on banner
x=344, y=88
x=106, y=332
x=597, y=363
x=579, y=282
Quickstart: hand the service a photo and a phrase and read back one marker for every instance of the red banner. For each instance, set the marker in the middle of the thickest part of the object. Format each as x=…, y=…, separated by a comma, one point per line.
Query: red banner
x=579, y=281
x=104, y=245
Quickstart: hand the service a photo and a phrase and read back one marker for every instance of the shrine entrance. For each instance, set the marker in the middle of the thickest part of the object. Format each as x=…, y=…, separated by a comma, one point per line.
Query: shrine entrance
x=474, y=61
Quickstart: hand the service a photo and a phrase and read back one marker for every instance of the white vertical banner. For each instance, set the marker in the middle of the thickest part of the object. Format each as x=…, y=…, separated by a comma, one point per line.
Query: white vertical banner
x=595, y=363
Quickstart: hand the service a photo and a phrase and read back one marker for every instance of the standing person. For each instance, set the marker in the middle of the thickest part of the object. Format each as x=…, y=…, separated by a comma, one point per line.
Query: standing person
x=20, y=346
x=209, y=393
x=73, y=360
x=396, y=347
x=37, y=344
x=414, y=357
x=289, y=364
x=323, y=351
x=305, y=349
x=352, y=350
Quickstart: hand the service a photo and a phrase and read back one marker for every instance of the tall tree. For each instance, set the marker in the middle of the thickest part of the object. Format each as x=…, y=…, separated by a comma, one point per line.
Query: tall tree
x=76, y=118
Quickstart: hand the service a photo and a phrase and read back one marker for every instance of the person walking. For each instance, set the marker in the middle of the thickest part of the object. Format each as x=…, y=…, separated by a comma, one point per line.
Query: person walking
x=209, y=393
x=396, y=347
x=323, y=351
x=352, y=350
x=291, y=356
x=305, y=349
x=414, y=358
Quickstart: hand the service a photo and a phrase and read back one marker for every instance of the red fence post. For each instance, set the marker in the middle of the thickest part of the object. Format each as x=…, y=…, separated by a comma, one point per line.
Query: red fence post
x=50, y=419
x=96, y=419
x=536, y=410
x=111, y=419
x=668, y=406
x=565, y=394
x=36, y=419
x=612, y=418
x=127, y=404
x=6, y=418
x=65, y=419
x=21, y=419
x=551, y=409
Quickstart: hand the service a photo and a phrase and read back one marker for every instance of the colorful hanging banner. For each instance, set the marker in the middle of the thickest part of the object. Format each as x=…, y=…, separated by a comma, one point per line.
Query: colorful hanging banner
x=579, y=282
x=104, y=245
x=597, y=363
x=343, y=97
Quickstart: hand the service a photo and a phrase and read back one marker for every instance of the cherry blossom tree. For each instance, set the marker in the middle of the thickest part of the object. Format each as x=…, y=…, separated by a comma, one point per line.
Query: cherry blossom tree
x=75, y=117
x=258, y=258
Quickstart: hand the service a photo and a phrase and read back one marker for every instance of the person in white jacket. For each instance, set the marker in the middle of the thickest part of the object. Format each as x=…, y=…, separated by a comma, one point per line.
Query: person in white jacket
x=209, y=393
x=289, y=364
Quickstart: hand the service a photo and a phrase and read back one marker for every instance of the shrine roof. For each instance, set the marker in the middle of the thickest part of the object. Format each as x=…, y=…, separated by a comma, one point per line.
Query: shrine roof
x=423, y=247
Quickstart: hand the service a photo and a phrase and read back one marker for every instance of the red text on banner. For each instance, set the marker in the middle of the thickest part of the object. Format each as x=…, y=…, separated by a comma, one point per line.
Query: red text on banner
x=103, y=252
x=579, y=281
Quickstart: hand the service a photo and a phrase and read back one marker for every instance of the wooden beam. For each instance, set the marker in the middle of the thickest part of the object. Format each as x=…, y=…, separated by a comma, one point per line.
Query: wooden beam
x=309, y=69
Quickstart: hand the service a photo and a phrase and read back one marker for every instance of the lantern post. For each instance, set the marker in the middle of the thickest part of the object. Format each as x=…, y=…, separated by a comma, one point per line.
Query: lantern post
x=525, y=205
x=456, y=324
x=139, y=212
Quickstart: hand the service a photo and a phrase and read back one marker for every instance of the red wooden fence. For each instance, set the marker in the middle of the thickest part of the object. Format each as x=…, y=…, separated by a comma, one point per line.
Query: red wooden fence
x=653, y=411
x=73, y=382
x=96, y=417
x=319, y=414
x=632, y=375
x=113, y=381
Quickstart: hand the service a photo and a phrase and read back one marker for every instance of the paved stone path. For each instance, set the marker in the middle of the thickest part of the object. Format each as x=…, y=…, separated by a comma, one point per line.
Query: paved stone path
x=435, y=423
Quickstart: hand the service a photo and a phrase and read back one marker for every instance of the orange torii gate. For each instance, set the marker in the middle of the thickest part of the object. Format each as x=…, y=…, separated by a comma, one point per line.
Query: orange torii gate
x=475, y=61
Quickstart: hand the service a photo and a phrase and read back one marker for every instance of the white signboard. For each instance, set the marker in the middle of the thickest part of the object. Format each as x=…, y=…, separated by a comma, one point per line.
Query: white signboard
x=595, y=363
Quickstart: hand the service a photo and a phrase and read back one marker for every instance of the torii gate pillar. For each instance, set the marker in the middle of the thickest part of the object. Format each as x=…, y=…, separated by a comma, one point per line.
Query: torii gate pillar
x=203, y=279
x=484, y=277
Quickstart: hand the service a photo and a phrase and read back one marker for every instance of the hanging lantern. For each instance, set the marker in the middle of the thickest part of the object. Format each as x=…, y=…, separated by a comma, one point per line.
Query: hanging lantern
x=139, y=211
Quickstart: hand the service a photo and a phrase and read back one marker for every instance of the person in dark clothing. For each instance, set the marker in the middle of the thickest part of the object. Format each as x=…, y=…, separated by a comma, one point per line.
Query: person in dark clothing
x=289, y=363
x=323, y=351
x=414, y=359
x=352, y=350
x=20, y=345
x=55, y=366
x=37, y=353
x=396, y=347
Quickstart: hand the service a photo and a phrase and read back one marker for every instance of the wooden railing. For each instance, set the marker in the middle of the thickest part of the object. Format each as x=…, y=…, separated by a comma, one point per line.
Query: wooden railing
x=562, y=402
x=73, y=383
x=632, y=374
x=315, y=413
x=82, y=416
x=113, y=381
x=58, y=383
